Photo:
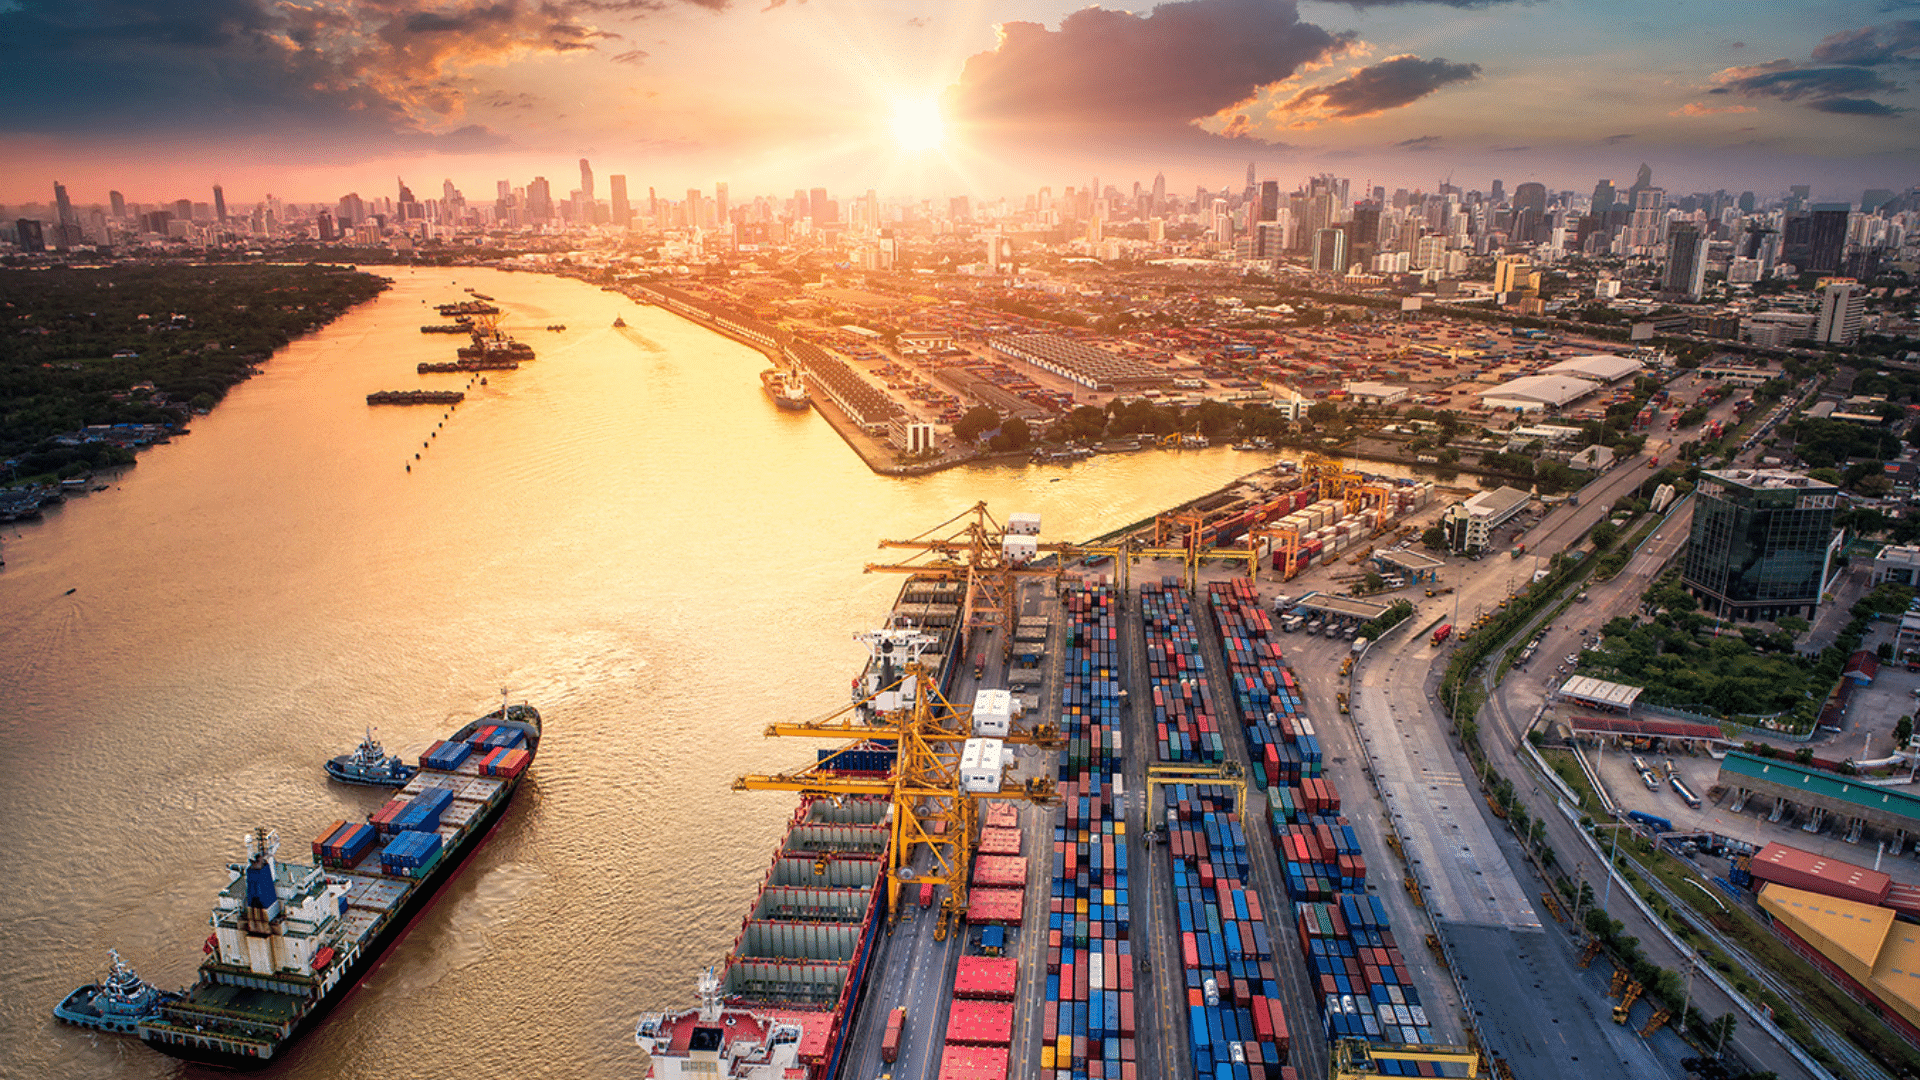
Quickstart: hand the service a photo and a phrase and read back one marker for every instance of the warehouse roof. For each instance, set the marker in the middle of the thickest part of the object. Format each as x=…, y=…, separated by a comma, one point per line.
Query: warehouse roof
x=1662, y=729
x=1600, y=367
x=1600, y=692
x=1545, y=389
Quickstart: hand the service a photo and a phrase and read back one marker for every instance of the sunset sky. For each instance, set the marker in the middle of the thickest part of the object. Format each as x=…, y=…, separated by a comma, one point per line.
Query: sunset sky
x=309, y=99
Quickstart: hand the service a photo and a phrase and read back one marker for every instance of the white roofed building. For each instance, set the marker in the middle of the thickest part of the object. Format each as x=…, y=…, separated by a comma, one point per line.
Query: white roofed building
x=1600, y=367
x=1536, y=392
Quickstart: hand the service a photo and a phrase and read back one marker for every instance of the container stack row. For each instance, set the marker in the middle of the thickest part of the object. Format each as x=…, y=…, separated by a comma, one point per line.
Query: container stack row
x=1320, y=855
x=1365, y=986
x=1087, y=1019
x=446, y=755
x=1236, y=1026
x=1185, y=725
x=1280, y=739
x=411, y=854
x=343, y=844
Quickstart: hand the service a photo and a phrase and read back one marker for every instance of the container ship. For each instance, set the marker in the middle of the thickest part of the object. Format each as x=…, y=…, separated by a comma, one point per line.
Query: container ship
x=290, y=939
x=781, y=1005
x=785, y=389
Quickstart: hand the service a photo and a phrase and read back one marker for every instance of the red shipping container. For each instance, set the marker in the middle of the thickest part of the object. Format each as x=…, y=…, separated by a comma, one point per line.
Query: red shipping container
x=1278, y=1019
x=320, y=842
x=1049, y=1021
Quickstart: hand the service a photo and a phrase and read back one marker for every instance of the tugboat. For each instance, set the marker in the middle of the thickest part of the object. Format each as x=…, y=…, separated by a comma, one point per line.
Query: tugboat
x=117, y=1006
x=370, y=766
x=619, y=323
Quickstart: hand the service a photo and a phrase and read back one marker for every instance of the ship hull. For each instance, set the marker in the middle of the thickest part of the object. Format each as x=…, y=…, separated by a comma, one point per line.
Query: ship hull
x=792, y=404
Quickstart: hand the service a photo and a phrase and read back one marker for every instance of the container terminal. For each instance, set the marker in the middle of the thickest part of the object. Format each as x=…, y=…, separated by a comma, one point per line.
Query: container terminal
x=1125, y=859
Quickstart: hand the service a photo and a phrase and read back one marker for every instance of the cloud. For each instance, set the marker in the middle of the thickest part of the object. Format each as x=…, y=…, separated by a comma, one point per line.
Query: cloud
x=1442, y=3
x=1510, y=149
x=1423, y=142
x=1615, y=140
x=1781, y=79
x=1855, y=107
x=1695, y=108
x=1872, y=45
x=1108, y=75
x=1390, y=84
x=631, y=56
x=362, y=70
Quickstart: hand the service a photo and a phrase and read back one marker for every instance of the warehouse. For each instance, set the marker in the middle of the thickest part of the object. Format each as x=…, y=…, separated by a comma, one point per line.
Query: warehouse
x=1535, y=392
x=1598, y=367
x=1093, y=368
x=1777, y=786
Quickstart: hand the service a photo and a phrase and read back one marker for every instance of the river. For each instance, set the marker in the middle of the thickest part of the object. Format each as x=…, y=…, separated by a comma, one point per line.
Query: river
x=624, y=532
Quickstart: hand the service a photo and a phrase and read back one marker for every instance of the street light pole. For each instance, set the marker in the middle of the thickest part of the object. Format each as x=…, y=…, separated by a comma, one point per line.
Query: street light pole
x=1612, y=857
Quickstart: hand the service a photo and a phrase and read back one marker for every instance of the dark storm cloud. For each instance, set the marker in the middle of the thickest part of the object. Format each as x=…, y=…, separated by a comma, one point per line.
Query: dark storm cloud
x=1855, y=107
x=353, y=70
x=1389, y=84
x=1872, y=45
x=1110, y=72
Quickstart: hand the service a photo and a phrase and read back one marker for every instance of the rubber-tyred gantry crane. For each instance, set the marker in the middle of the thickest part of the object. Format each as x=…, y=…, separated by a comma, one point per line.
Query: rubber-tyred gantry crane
x=932, y=810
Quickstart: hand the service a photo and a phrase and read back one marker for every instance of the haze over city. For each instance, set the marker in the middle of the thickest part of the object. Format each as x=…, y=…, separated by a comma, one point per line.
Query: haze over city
x=932, y=100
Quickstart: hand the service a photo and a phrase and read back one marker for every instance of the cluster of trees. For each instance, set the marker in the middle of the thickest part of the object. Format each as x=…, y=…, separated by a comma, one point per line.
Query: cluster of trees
x=197, y=331
x=1013, y=434
x=1687, y=659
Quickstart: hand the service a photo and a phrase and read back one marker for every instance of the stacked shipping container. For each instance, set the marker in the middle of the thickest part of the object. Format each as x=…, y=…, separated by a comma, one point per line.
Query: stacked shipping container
x=1087, y=1022
x=1280, y=739
x=1236, y=1026
x=1185, y=728
x=1366, y=989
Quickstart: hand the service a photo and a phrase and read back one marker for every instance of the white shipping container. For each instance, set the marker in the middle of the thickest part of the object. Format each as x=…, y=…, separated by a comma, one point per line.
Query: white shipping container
x=1020, y=550
x=992, y=713
x=1023, y=524
x=980, y=765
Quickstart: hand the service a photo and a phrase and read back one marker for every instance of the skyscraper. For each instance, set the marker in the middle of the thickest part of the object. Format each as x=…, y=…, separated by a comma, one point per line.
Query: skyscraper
x=1602, y=196
x=1842, y=304
x=586, y=180
x=66, y=230
x=1497, y=192
x=1761, y=543
x=1159, y=193
x=720, y=204
x=817, y=207
x=219, y=205
x=1269, y=201
x=1330, y=251
x=29, y=236
x=539, y=200
x=1827, y=236
x=119, y=203
x=1686, y=260
x=617, y=192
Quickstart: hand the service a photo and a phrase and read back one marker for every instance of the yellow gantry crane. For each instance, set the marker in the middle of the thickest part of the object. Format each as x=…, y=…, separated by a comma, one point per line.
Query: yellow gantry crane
x=932, y=811
x=1357, y=1059
x=973, y=549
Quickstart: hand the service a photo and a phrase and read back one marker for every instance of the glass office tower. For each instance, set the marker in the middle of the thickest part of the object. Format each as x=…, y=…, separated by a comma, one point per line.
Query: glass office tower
x=1762, y=543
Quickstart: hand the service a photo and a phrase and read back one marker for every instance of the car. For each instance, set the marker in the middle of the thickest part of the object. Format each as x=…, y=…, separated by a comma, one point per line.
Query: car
x=1572, y=659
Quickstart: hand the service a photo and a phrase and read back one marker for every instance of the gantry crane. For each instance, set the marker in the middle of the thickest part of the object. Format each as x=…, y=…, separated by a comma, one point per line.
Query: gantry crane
x=931, y=809
x=971, y=548
x=1357, y=1059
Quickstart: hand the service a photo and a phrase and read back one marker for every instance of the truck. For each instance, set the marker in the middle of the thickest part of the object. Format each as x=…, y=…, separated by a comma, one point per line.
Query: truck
x=1293, y=622
x=1440, y=635
x=890, y=1043
x=1518, y=550
x=1657, y=824
x=926, y=894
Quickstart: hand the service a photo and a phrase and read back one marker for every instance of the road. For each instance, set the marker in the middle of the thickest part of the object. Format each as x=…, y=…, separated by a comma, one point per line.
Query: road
x=1511, y=708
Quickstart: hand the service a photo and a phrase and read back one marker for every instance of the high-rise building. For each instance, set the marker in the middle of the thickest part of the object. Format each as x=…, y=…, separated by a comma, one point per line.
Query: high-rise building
x=351, y=211
x=183, y=210
x=1269, y=201
x=1827, y=236
x=119, y=203
x=328, y=234
x=817, y=207
x=1762, y=543
x=1686, y=260
x=1746, y=202
x=1510, y=273
x=1330, y=251
x=1159, y=193
x=586, y=180
x=617, y=193
x=1497, y=192
x=539, y=200
x=66, y=227
x=28, y=236
x=1842, y=306
x=219, y=205
x=721, y=220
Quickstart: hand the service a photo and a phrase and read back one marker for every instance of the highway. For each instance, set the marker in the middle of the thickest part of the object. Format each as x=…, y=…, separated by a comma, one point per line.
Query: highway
x=1510, y=710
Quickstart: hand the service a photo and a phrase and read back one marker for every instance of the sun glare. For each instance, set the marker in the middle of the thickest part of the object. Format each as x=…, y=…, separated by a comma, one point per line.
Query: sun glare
x=917, y=126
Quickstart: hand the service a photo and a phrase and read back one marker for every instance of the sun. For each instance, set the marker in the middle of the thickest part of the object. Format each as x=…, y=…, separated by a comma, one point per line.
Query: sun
x=917, y=125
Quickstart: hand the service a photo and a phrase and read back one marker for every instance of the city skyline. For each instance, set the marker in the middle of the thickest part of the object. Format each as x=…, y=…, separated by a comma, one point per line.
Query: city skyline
x=933, y=101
